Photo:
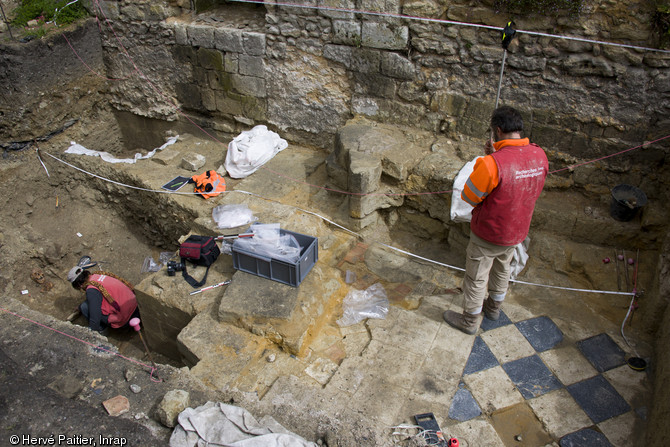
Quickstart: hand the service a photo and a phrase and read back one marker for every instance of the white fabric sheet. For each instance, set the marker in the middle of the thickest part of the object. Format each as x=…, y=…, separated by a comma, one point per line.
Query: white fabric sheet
x=106, y=156
x=251, y=149
x=223, y=425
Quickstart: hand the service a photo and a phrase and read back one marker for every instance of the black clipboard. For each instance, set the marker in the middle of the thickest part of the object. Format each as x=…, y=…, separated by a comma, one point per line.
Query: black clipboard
x=176, y=183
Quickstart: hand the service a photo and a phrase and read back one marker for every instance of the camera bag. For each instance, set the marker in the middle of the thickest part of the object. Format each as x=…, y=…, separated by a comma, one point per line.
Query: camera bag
x=199, y=250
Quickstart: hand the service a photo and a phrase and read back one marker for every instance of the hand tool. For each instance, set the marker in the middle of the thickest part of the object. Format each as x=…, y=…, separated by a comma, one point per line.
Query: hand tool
x=135, y=324
x=223, y=283
x=234, y=236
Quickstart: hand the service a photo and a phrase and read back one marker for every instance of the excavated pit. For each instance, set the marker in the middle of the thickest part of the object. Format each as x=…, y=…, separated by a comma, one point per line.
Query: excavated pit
x=119, y=227
x=54, y=220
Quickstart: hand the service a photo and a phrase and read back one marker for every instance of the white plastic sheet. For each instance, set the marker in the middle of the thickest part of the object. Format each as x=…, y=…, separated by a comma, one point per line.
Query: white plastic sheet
x=269, y=242
x=251, y=149
x=106, y=156
x=461, y=211
x=361, y=304
x=232, y=215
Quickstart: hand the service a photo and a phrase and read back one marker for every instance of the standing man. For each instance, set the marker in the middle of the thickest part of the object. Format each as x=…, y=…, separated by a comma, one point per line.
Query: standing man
x=110, y=300
x=503, y=189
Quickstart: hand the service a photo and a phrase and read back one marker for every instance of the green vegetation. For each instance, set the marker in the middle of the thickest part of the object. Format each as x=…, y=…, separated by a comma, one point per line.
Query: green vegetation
x=661, y=22
x=45, y=11
x=571, y=8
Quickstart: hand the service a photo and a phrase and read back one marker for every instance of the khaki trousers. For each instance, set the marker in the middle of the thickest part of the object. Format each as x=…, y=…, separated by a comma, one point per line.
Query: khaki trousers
x=487, y=268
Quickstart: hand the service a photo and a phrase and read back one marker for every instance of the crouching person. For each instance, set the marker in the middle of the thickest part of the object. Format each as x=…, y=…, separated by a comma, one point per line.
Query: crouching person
x=110, y=300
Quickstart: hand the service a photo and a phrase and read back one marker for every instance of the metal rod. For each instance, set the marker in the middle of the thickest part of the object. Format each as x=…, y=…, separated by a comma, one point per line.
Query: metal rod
x=625, y=262
x=618, y=274
x=148, y=353
x=9, y=28
x=502, y=69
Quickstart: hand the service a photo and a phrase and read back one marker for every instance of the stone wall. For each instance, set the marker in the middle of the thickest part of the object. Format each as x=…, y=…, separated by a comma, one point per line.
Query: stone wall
x=306, y=71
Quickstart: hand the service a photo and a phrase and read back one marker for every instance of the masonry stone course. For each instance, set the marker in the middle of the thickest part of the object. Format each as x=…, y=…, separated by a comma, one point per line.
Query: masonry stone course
x=228, y=39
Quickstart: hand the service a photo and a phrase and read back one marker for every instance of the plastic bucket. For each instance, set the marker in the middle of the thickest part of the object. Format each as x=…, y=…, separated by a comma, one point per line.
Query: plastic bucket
x=626, y=202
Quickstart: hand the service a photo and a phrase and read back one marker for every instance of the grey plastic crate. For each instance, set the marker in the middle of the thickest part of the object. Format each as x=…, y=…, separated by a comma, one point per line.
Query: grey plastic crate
x=278, y=270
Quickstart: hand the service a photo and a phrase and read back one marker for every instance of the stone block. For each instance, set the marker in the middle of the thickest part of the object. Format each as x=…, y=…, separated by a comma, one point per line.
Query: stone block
x=180, y=35
x=365, y=172
x=338, y=53
x=231, y=62
x=110, y=9
x=209, y=99
x=253, y=43
x=397, y=66
x=189, y=95
x=251, y=66
x=173, y=403
x=132, y=12
x=365, y=106
x=278, y=312
x=337, y=6
x=217, y=80
x=185, y=54
x=371, y=220
x=587, y=65
x=365, y=60
x=423, y=8
x=374, y=85
x=657, y=60
x=384, y=36
x=361, y=206
x=227, y=39
x=210, y=59
x=471, y=14
x=165, y=157
x=157, y=12
x=288, y=29
x=201, y=35
x=527, y=63
x=338, y=175
x=192, y=161
x=448, y=103
x=390, y=6
x=347, y=32
x=479, y=110
x=249, y=85
x=205, y=337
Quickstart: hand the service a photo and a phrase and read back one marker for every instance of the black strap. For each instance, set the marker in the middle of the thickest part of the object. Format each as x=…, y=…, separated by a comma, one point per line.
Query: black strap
x=189, y=279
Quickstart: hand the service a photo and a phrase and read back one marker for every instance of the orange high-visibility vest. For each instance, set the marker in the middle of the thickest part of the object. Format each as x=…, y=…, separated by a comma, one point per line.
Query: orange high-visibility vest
x=209, y=184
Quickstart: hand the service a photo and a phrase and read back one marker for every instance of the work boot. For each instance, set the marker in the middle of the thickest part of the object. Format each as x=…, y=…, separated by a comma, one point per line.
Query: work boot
x=465, y=322
x=492, y=309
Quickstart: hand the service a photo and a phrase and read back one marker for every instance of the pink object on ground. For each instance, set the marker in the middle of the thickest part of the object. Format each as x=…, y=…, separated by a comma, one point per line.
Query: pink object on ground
x=135, y=323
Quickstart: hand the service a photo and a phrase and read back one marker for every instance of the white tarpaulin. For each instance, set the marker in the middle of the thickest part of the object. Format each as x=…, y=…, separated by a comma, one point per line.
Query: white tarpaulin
x=461, y=211
x=223, y=425
x=106, y=156
x=251, y=149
